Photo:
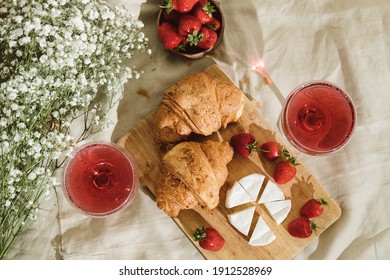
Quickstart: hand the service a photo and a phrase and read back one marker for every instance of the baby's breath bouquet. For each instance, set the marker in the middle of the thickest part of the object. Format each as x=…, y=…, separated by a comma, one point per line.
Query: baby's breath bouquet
x=57, y=57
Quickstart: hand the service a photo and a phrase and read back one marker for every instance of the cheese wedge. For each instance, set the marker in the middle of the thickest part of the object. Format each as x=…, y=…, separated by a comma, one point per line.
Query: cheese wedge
x=247, y=190
x=262, y=234
x=278, y=209
x=252, y=184
x=242, y=220
x=271, y=193
x=237, y=195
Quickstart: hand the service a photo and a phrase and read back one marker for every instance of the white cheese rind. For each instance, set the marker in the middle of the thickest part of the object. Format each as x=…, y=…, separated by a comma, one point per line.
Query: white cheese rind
x=242, y=220
x=236, y=195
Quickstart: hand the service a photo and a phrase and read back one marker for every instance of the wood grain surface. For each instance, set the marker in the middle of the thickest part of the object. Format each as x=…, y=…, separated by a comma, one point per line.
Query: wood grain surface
x=140, y=143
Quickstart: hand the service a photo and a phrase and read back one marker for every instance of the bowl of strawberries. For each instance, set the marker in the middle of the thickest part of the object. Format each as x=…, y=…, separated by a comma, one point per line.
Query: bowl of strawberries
x=190, y=28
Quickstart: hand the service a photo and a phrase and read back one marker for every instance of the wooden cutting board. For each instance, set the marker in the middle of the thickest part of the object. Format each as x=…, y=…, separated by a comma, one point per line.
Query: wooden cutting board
x=140, y=143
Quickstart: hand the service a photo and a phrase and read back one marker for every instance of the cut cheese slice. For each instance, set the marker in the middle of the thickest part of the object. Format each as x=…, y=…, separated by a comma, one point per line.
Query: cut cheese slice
x=271, y=193
x=236, y=195
x=262, y=234
x=247, y=190
x=278, y=209
x=242, y=220
x=252, y=184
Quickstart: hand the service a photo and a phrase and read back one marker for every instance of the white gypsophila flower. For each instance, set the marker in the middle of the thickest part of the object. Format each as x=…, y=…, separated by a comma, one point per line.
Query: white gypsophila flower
x=56, y=56
x=31, y=176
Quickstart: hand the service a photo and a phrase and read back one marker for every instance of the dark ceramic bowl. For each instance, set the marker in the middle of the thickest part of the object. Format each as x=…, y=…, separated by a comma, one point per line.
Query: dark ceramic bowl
x=194, y=52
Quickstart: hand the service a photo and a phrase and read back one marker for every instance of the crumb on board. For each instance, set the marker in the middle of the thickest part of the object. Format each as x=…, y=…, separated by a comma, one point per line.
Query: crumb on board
x=143, y=92
x=245, y=80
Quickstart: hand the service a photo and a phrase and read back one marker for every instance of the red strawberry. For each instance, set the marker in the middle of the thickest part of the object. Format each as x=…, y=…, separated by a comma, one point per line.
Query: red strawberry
x=284, y=172
x=243, y=144
x=172, y=16
x=209, y=239
x=204, y=12
x=182, y=6
x=168, y=36
x=214, y=24
x=188, y=24
x=270, y=150
x=313, y=208
x=301, y=227
x=209, y=38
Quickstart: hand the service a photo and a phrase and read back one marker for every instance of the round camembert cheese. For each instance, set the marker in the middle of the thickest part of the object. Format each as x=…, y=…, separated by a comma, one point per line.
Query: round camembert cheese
x=247, y=190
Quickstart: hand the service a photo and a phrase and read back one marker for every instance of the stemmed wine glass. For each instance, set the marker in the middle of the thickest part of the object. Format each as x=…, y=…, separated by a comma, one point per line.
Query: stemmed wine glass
x=100, y=178
x=317, y=117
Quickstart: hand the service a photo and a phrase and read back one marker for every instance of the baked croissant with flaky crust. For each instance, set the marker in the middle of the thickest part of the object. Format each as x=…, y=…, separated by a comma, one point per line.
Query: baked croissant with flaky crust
x=197, y=104
x=192, y=174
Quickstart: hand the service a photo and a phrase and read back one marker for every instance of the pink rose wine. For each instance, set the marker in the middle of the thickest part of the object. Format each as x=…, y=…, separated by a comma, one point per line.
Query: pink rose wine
x=318, y=118
x=100, y=178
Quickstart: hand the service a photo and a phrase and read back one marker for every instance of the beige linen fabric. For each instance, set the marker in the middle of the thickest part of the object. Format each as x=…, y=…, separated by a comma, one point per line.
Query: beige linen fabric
x=345, y=42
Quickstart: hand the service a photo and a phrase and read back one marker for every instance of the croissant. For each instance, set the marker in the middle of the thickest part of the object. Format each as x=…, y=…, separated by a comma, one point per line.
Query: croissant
x=192, y=174
x=197, y=104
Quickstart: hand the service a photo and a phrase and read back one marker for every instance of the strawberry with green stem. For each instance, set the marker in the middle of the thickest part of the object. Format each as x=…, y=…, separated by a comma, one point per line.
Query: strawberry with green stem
x=204, y=39
x=271, y=150
x=209, y=239
x=204, y=12
x=244, y=144
x=313, y=208
x=301, y=227
x=285, y=170
x=168, y=35
x=194, y=38
x=182, y=6
x=209, y=38
x=214, y=24
x=187, y=25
